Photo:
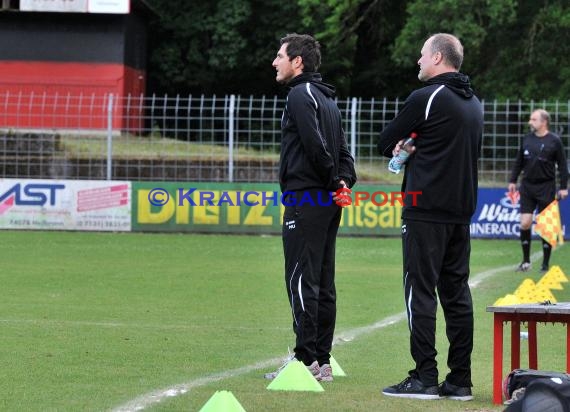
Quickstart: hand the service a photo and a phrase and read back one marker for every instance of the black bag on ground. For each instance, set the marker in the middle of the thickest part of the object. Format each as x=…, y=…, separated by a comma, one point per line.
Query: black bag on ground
x=542, y=394
x=519, y=379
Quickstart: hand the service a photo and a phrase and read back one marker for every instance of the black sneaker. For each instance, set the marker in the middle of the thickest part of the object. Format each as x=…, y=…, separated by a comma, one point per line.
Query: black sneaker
x=457, y=393
x=544, y=267
x=412, y=388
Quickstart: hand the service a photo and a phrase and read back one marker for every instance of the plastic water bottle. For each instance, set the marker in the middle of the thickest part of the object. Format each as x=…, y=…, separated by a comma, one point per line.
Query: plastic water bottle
x=396, y=162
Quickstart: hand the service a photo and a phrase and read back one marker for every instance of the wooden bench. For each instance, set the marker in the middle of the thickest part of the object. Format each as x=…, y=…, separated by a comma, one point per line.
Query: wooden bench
x=515, y=314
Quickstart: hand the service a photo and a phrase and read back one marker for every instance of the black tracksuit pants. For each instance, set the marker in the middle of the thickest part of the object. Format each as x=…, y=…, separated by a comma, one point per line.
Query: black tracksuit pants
x=436, y=257
x=309, y=239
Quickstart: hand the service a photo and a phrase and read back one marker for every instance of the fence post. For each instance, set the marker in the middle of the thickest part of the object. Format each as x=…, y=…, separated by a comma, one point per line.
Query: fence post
x=110, y=138
x=353, y=127
x=231, y=138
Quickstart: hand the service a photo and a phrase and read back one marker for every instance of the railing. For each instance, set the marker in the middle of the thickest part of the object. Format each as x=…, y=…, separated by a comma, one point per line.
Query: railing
x=212, y=138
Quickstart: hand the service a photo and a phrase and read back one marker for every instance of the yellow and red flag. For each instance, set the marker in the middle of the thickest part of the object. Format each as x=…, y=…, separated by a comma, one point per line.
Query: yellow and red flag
x=549, y=226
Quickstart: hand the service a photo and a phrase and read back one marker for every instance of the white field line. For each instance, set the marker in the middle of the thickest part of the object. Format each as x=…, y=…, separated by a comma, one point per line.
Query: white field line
x=155, y=326
x=159, y=395
x=488, y=273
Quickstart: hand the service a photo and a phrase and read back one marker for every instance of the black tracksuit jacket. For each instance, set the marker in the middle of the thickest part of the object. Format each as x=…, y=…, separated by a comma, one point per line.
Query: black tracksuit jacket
x=318, y=158
x=448, y=119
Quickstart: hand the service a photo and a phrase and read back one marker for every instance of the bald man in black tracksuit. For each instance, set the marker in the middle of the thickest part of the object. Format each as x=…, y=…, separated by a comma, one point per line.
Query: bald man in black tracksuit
x=314, y=163
x=448, y=120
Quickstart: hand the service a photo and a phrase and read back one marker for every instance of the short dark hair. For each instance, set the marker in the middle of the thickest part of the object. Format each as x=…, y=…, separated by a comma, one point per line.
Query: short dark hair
x=450, y=48
x=305, y=46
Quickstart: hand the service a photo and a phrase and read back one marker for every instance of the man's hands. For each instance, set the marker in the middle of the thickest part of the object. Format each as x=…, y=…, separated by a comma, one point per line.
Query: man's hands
x=398, y=147
x=342, y=196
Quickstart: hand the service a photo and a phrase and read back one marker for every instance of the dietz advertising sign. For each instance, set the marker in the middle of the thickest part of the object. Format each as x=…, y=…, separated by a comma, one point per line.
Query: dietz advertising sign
x=253, y=208
x=498, y=215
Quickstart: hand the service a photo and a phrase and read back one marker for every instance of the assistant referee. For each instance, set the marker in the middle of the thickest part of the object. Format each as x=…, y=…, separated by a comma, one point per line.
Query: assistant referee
x=539, y=153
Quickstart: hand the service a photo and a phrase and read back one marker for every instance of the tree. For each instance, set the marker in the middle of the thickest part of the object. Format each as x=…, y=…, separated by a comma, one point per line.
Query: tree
x=476, y=23
x=513, y=48
x=216, y=46
x=356, y=37
x=532, y=59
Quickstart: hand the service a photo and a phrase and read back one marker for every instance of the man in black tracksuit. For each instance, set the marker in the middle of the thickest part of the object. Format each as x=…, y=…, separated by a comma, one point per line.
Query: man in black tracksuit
x=314, y=163
x=539, y=153
x=448, y=120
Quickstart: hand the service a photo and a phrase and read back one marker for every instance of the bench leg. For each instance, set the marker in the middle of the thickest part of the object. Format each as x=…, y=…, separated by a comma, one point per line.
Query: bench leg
x=532, y=346
x=567, y=348
x=515, y=344
x=497, y=358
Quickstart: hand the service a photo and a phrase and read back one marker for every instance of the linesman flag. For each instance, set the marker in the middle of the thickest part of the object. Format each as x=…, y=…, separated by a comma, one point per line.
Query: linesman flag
x=549, y=226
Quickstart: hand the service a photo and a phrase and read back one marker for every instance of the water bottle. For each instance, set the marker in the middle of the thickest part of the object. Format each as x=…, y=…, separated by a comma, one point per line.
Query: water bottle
x=396, y=162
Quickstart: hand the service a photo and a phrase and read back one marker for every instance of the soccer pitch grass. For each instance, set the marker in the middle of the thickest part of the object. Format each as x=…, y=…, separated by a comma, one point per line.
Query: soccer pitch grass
x=93, y=322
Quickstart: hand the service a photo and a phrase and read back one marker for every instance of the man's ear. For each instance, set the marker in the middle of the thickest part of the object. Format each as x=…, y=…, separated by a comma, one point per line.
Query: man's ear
x=298, y=62
x=438, y=57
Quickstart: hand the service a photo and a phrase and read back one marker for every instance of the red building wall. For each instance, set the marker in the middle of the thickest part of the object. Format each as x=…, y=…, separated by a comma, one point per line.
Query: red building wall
x=50, y=95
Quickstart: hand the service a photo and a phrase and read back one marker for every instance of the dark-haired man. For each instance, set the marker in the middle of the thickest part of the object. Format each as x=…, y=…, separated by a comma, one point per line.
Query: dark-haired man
x=314, y=163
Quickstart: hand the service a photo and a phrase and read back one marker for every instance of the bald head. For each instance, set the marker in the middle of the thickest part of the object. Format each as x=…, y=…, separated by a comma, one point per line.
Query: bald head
x=544, y=116
x=539, y=122
x=450, y=48
x=441, y=53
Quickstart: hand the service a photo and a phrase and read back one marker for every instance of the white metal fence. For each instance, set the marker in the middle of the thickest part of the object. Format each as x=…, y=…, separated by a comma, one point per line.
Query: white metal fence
x=211, y=138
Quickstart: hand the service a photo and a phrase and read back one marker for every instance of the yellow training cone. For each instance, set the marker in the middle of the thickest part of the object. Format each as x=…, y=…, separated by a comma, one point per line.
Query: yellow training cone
x=507, y=300
x=295, y=377
x=550, y=282
x=222, y=401
x=336, y=369
x=525, y=291
x=542, y=293
x=557, y=274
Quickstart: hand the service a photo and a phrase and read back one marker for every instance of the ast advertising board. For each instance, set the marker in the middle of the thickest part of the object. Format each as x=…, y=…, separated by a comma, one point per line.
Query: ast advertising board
x=65, y=205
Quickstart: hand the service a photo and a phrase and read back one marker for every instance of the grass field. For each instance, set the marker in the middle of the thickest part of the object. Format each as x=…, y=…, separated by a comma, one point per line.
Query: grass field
x=94, y=322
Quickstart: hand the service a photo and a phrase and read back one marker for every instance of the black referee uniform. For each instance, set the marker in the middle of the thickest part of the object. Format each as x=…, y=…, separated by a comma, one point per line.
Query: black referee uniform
x=536, y=160
x=314, y=159
x=448, y=120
